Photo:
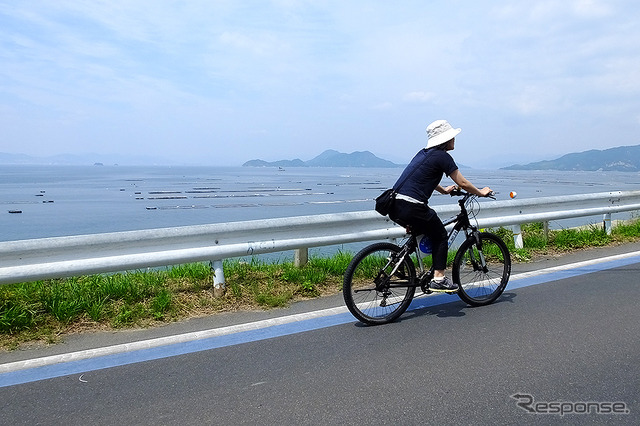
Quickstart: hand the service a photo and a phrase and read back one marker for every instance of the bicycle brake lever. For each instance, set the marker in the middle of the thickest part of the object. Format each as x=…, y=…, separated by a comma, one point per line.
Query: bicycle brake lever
x=457, y=192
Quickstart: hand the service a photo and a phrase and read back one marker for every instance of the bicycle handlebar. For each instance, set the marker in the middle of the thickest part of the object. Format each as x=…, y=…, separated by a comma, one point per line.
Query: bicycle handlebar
x=458, y=192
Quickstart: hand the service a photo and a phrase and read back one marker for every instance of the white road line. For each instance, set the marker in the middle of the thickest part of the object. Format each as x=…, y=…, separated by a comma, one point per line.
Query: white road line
x=575, y=265
x=163, y=341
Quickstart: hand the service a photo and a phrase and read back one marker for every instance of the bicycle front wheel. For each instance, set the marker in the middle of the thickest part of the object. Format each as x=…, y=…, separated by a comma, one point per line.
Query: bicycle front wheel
x=379, y=285
x=481, y=269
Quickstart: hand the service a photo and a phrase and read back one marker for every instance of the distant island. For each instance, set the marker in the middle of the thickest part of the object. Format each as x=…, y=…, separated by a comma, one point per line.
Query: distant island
x=81, y=159
x=620, y=159
x=329, y=158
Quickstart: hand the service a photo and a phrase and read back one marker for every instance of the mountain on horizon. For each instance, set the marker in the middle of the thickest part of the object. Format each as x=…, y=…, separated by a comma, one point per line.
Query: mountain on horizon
x=329, y=158
x=621, y=159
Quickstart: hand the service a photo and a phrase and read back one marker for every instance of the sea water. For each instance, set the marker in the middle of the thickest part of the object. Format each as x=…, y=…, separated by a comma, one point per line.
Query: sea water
x=73, y=200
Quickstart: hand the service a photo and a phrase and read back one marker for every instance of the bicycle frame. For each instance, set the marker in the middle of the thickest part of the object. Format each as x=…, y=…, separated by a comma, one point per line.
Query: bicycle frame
x=461, y=222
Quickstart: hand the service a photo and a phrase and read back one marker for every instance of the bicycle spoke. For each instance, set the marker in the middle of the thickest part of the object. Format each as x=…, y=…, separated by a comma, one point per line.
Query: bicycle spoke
x=482, y=274
x=385, y=297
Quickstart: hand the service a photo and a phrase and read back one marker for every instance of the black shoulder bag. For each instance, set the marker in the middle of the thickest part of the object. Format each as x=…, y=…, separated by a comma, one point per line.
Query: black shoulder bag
x=385, y=201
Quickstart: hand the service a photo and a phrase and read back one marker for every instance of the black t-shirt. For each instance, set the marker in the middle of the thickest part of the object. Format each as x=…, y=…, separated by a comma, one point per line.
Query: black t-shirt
x=429, y=166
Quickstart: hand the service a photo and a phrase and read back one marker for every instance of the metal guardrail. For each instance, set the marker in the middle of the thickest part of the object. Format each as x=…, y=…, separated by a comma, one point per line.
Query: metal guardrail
x=46, y=258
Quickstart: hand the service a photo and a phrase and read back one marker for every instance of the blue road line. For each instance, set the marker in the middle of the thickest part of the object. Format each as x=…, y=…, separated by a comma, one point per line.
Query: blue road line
x=114, y=360
x=573, y=272
x=124, y=358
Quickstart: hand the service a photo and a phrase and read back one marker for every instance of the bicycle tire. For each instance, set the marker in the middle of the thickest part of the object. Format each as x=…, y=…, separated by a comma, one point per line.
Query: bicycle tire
x=372, y=295
x=478, y=286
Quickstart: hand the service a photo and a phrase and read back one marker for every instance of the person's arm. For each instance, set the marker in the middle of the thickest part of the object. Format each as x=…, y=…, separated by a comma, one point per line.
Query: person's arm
x=463, y=183
x=446, y=190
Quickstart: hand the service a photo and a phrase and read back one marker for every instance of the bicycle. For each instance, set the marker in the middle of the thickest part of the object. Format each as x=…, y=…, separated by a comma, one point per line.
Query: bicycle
x=481, y=268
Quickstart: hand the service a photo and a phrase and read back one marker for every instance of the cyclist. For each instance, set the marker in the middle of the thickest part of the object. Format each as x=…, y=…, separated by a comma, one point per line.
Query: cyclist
x=414, y=188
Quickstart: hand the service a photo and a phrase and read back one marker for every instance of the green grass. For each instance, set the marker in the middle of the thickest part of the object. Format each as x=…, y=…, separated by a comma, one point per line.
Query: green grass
x=44, y=310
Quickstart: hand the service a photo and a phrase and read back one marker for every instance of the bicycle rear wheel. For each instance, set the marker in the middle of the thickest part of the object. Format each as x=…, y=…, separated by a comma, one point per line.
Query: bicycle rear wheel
x=378, y=286
x=482, y=270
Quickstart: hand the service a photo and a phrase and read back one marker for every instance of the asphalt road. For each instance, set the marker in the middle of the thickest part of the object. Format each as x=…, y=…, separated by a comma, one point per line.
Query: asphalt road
x=572, y=340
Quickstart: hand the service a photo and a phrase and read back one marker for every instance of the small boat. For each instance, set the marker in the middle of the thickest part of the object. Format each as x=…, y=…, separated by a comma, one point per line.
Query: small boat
x=15, y=211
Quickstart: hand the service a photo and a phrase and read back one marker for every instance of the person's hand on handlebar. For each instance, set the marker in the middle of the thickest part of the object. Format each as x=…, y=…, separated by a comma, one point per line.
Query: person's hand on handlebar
x=486, y=192
x=463, y=183
x=449, y=189
x=454, y=190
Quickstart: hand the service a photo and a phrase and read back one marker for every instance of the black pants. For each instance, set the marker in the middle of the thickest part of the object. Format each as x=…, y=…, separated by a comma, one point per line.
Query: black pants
x=422, y=219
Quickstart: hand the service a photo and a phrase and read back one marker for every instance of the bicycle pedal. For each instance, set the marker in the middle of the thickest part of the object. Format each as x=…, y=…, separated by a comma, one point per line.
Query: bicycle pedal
x=443, y=291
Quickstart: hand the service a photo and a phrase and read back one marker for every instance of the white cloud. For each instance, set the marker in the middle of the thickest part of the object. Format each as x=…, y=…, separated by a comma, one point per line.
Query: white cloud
x=265, y=45
x=592, y=8
x=419, y=97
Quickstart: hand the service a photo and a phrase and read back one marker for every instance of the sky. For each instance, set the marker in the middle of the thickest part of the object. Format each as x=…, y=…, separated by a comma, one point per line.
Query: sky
x=221, y=82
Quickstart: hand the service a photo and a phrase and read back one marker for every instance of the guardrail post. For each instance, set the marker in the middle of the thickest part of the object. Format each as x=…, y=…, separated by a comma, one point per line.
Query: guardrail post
x=301, y=257
x=607, y=223
x=545, y=227
x=517, y=236
x=218, y=278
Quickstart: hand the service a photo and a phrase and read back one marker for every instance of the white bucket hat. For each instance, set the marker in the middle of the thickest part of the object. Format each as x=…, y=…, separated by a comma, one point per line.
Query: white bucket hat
x=439, y=132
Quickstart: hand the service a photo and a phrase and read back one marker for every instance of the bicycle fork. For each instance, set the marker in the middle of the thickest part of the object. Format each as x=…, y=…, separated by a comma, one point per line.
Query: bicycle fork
x=479, y=264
